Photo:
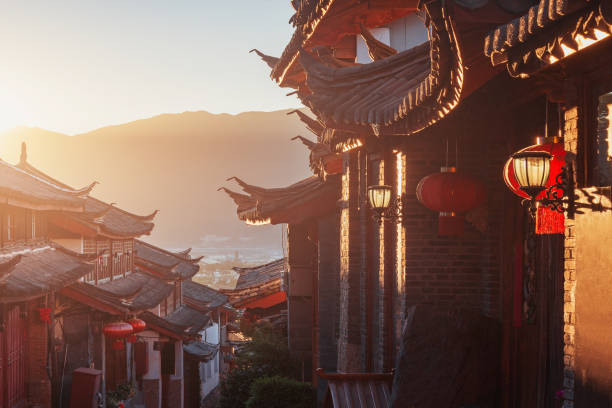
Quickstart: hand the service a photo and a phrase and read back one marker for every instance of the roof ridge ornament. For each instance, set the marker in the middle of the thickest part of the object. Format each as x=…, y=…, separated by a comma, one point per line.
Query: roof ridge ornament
x=24, y=153
x=376, y=49
x=314, y=125
x=306, y=142
x=268, y=59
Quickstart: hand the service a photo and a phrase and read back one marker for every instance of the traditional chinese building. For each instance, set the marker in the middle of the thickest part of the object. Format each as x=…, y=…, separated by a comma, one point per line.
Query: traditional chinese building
x=127, y=280
x=400, y=90
x=33, y=269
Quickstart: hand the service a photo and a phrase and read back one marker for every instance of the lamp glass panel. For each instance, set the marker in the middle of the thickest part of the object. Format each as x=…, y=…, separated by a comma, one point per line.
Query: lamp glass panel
x=532, y=171
x=379, y=197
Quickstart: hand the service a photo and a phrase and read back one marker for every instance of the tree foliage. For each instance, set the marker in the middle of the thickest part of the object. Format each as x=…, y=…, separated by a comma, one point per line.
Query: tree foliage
x=267, y=355
x=281, y=392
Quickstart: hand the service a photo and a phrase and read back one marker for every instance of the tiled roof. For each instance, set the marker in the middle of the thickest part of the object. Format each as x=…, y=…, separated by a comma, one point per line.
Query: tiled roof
x=258, y=275
x=32, y=270
x=17, y=187
x=105, y=219
x=184, y=322
x=537, y=38
x=136, y=292
x=149, y=256
x=364, y=389
x=202, y=293
x=307, y=198
x=114, y=221
x=200, y=350
x=140, y=291
x=257, y=282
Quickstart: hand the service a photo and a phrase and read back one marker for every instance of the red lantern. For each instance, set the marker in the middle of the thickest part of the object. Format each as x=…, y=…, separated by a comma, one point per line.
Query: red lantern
x=450, y=194
x=547, y=221
x=44, y=314
x=118, y=330
x=137, y=324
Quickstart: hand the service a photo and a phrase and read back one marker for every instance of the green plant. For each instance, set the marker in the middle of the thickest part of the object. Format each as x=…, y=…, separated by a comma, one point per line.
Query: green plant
x=123, y=392
x=236, y=387
x=269, y=352
x=280, y=392
x=267, y=355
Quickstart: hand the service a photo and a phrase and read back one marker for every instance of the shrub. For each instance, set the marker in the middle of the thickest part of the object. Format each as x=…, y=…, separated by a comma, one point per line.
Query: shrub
x=280, y=392
x=269, y=352
x=236, y=387
x=267, y=355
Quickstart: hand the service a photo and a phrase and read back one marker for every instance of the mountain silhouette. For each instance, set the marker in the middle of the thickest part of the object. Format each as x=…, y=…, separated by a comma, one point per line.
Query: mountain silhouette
x=175, y=163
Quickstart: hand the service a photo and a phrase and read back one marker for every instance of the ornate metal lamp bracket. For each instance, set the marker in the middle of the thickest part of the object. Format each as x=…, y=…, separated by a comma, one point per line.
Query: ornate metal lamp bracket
x=393, y=213
x=559, y=196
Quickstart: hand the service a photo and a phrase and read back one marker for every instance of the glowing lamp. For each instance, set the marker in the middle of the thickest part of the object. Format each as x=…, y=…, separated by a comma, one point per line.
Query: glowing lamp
x=379, y=197
x=548, y=220
x=532, y=170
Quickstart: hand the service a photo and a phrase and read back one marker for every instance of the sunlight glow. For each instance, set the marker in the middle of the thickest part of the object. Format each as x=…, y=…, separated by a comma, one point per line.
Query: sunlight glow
x=258, y=221
x=582, y=42
x=352, y=145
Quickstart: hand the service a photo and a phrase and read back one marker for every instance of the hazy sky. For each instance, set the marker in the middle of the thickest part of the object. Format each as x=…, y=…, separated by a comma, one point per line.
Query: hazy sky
x=73, y=66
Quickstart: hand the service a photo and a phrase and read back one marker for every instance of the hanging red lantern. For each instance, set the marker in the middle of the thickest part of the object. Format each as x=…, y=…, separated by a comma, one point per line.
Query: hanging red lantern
x=118, y=330
x=44, y=314
x=547, y=221
x=137, y=324
x=450, y=194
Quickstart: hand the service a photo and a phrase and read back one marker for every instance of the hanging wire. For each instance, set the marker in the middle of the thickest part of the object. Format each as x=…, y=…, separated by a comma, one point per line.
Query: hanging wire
x=546, y=122
x=446, y=152
x=559, y=130
x=456, y=151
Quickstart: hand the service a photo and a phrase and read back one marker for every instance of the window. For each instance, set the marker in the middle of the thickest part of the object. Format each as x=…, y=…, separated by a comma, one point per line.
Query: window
x=10, y=226
x=33, y=225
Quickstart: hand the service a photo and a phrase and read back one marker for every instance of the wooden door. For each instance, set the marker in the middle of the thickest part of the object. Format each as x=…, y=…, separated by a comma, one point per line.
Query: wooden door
x=13, y=346
x=532, y=360
x=116, y=366
x=536, y=341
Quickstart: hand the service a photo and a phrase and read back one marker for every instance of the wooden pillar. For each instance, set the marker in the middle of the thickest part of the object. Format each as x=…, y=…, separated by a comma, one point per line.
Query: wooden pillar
x=302, y=262
x=328, y=293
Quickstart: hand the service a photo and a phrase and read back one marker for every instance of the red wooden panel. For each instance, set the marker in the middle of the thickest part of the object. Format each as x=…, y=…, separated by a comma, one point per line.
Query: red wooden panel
x=141, y=359
x=15, y=361
x=85, y=386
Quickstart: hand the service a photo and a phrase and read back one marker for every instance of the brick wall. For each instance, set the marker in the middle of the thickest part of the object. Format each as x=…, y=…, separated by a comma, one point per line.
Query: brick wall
x=570, y=139
x=350, y=356
x=454, y=271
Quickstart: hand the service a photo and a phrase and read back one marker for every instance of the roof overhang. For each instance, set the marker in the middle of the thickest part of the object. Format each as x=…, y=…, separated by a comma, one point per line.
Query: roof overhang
x=549, y=32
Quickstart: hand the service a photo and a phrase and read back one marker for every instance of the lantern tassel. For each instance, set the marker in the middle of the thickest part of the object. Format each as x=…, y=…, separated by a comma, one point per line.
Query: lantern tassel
x=549, y=221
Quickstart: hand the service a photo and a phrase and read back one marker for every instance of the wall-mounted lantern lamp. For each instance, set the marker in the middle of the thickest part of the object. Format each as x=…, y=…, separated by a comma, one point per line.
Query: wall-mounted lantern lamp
x=543, y=176
x=383, y=203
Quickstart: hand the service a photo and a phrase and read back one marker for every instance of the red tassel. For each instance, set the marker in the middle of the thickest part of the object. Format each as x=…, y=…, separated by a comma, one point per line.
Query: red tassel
x=118, y=345
x=549, y=221
x=133, y=339
x=451, y=225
